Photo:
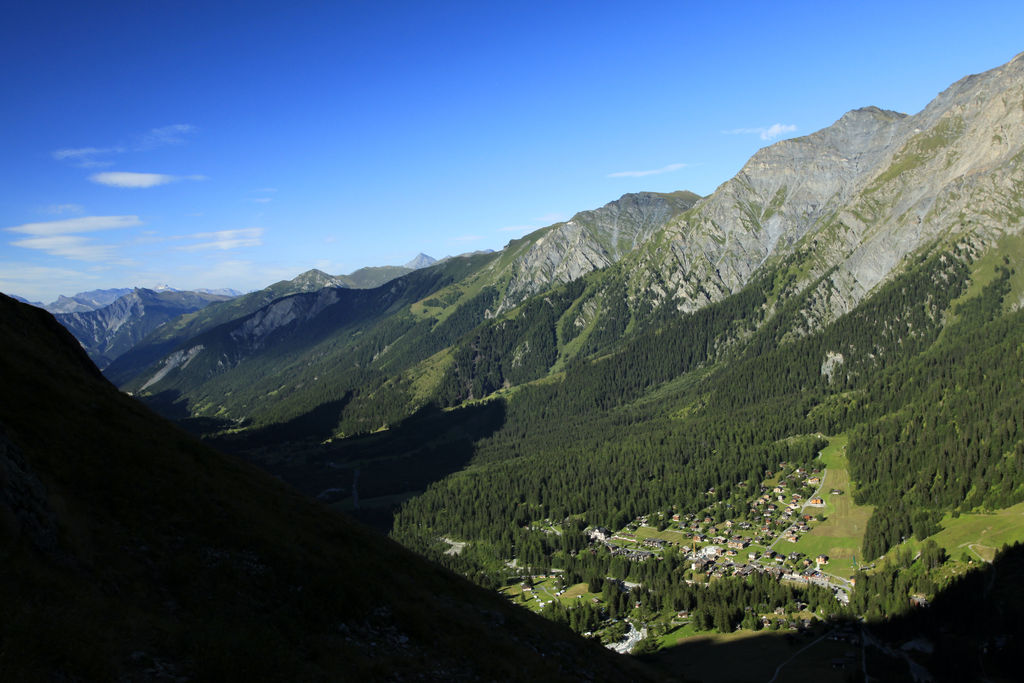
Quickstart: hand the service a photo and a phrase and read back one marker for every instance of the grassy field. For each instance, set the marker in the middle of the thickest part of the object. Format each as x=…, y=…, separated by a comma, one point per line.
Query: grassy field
x=842, y=532
x=982, y=533
x=978, y=534
x=544, y=591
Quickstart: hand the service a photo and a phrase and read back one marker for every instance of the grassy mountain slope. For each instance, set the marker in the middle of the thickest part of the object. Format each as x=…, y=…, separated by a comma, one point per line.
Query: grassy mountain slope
x=476, y=286
x=131, y=551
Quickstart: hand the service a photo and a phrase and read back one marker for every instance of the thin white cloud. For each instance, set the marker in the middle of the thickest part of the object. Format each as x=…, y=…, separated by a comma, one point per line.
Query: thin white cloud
x=138, y=180
x=777, y=129
x=225, y=239
x=65, y=208
x=85, y=153
x=770, y=133
x=91, y=157
x=64, y=238
x=174, y=134
x=76, y=225
x=69, y=246
x=641, y=174
x=261, y=200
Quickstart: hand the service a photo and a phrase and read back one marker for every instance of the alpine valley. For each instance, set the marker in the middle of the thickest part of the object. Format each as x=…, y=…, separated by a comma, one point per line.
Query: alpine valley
x=669, y=424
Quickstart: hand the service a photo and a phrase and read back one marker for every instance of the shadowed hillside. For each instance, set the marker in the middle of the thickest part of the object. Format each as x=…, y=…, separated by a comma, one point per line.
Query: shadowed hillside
x=131, y=551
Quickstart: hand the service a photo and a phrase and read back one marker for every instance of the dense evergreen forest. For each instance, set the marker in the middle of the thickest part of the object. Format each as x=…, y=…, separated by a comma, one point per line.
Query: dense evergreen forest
x=650, y=425
x=602, y=411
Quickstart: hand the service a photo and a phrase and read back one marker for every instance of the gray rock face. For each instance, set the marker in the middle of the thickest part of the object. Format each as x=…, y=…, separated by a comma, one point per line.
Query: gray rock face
x=859, y=195
x=178, y=359
x=421, y=261
x=257, y=327
x=312, y=280
x=591, y=240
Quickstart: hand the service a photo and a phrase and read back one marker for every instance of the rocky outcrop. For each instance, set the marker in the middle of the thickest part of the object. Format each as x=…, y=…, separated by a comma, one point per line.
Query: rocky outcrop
x=590, y=240
x=178, y=359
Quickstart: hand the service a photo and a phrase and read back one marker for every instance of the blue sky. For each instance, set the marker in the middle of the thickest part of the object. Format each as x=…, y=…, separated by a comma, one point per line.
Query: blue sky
x=233, y=144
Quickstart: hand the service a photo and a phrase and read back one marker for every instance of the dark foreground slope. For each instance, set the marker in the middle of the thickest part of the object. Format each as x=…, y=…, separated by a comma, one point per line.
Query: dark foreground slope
x=130, y=551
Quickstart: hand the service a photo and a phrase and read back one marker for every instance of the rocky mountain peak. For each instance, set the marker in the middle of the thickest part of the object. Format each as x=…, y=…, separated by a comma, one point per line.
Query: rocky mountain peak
x=858, y=196
x=421, y=261
x=314, y=279
x=590, y=240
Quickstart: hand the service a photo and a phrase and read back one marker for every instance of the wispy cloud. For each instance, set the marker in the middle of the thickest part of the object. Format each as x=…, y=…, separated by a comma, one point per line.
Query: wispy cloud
x=770, y=133
x=58, y=209
x=94, y=157
x=174, y=134
x=86, y=157
x=69, y=246
x=225, y=239
x=64, y=238
x=641, y=174
x=76, y=225
x=138, y=180
x=263, y=191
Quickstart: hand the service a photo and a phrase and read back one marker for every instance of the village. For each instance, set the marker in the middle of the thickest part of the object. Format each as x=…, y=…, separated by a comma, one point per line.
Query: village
x=780, y=515
x=721, y=541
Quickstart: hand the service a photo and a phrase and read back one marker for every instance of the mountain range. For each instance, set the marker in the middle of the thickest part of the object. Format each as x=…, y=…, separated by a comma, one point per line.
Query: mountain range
x=665, y=367
x=831, y=216
x=110, y=322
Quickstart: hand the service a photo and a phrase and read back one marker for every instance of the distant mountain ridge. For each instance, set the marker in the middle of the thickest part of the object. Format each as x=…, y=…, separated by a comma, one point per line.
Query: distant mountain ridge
x=114, y=332
x=86, y=301
x=105, y=333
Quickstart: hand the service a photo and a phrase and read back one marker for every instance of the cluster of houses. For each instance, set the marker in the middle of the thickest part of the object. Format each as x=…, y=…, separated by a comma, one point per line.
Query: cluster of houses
x=715, y=548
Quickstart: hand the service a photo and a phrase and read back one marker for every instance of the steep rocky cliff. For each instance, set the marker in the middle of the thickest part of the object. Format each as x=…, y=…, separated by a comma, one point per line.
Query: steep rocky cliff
x=858, y=196
x=588, y=241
